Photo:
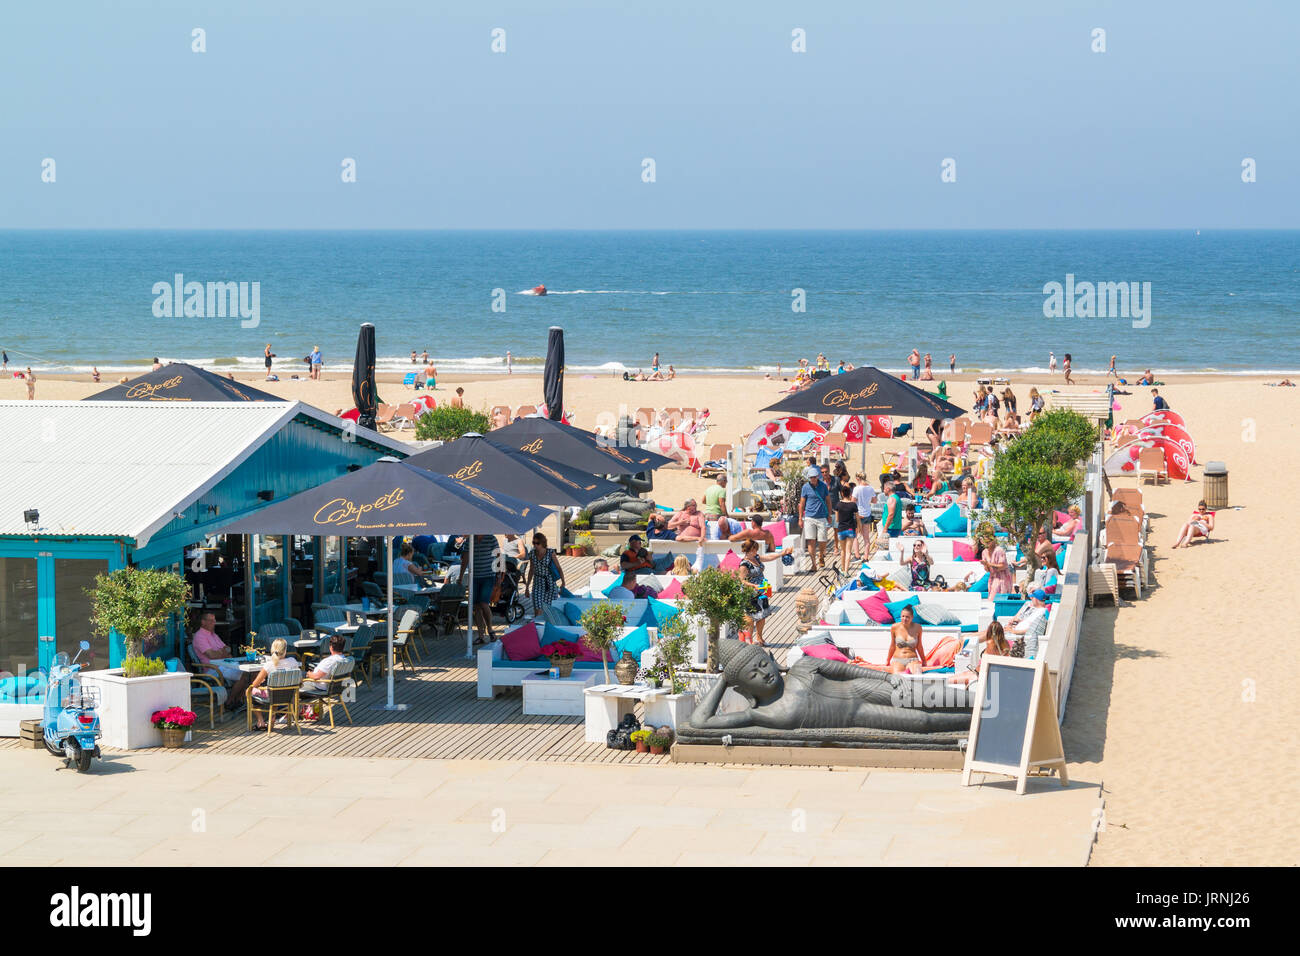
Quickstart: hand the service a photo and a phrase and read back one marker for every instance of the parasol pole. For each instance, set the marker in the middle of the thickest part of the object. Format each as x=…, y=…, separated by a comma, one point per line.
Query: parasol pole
x=391, y=705
x=469, y=594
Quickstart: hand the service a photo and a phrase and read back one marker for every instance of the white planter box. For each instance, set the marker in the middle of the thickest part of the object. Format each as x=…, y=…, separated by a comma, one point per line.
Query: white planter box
x=672, y=710
x=125, y=706
x=11, y=715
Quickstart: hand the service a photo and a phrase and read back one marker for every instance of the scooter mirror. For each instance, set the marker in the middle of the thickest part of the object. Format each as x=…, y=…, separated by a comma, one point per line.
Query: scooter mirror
x=85, y=645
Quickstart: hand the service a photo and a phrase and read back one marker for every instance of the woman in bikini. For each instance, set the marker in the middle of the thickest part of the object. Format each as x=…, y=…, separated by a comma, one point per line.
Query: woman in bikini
x=906, y=655
x=1199, y=525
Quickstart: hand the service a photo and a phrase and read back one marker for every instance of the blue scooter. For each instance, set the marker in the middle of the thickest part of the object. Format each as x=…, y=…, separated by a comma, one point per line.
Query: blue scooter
x=70, y=722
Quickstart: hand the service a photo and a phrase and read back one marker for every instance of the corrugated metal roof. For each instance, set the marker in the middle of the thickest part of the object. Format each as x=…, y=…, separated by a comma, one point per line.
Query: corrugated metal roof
x=124, y=468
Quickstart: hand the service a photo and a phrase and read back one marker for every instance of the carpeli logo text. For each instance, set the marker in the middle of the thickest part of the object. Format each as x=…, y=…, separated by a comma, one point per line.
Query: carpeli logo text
x=76, y=909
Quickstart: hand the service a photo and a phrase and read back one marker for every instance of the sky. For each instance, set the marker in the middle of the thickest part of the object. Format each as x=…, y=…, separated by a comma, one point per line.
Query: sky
x=744, y=132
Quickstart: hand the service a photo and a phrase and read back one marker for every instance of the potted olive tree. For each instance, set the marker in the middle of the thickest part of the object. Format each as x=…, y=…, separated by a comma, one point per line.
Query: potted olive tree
x=603, y=623
x=137, y=604
x=673, y=647
x=718, y=598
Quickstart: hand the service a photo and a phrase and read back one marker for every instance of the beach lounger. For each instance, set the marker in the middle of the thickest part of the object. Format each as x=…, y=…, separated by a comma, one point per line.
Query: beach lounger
x=672, y=418
x=1151, y=465
x=645, y=417
x=523, y=411
x=384, y=417
x=502, y=410
x=981, y=433
x=836, y=442
x=405, y=415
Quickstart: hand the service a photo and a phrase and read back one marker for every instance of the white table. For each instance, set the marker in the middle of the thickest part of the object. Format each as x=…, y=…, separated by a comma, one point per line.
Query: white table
x=561, y=696
x=608, y=704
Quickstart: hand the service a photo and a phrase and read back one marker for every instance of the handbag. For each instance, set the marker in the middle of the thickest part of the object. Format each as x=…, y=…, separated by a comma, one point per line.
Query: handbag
x=496, y=590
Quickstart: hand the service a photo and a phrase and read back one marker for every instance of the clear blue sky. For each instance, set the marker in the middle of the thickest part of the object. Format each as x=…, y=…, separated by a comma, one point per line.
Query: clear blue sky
x=745, y=133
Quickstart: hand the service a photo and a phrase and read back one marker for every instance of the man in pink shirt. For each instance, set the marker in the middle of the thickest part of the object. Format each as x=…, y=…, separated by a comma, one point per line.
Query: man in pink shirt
x=209, y=647
x=688, y=523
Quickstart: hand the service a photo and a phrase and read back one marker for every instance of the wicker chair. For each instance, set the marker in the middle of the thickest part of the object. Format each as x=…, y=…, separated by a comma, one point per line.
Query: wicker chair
x=282, y=687
x=207, y=687
x=334, y=694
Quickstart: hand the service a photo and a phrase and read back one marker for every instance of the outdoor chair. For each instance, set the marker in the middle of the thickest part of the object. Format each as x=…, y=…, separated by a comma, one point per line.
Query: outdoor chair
x=645, y=417
x=1151, y=465
x=384, y=417
x=362, y=639
x=295, y=629
x=267, y=633
x=333, y=694
x=207, y=687
x=499, y=410
x=282, y=688
x=523, y=411
x=404, y=638
x=327, y=614
x=332, y=600
x=836, y=442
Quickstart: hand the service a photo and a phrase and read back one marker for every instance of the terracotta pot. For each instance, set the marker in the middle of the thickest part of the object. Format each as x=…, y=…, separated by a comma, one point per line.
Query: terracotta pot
x=173, y=737
x=641, y=747
x=656, y=750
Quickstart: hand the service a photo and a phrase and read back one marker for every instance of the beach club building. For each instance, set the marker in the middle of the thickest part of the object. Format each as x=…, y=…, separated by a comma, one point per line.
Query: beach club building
x=89, y=487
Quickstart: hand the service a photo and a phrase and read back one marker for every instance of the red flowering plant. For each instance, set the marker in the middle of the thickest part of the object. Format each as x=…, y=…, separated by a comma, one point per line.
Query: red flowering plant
x=173, y=718
x=558, y=649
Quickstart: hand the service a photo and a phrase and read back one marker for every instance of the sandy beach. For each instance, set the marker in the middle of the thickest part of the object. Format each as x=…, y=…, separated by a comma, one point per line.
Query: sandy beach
x=1190, y=728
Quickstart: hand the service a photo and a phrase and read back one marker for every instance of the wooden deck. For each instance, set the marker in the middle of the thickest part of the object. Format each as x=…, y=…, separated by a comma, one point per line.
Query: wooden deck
x=445, y=719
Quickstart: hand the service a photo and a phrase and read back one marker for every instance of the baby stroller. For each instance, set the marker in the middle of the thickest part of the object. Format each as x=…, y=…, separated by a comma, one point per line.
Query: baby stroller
x=511, y=604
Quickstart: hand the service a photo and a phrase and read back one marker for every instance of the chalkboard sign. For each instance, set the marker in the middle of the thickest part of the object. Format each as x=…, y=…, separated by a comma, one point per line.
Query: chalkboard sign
x=1014, y=726
x=1008, y=692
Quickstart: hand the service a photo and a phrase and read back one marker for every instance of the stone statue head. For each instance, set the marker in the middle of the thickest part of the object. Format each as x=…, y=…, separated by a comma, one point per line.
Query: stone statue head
x=751, y=670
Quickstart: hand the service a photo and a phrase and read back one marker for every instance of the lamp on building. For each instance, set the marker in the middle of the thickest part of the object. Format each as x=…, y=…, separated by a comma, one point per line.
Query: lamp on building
x=32, y=516
x=354, y=467
x=266, y=495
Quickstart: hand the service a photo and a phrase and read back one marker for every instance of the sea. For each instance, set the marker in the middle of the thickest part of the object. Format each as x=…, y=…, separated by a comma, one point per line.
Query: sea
x=715, y=302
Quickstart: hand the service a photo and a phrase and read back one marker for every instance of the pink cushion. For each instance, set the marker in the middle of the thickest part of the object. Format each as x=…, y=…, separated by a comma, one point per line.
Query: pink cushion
x=730, y=561
x=826, y=652
x=522, y=644
x=594, y=656
x=673, y=590
x=944, y=654
x=961, y=551
x=778, y=530
x=1061, y=517
x=876, y=610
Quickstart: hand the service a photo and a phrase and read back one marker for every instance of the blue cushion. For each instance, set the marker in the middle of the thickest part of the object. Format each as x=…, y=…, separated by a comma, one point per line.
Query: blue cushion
x=620, y=594
x=566, y=593
x=981, y=586
x=895, y=607
x=616, y=583
x=664, y=562
x=553, y=614
x=969, y=628
x=552, y=633
x=637, y=642
x=573, y=612
x=661, y=611
x=951, y=520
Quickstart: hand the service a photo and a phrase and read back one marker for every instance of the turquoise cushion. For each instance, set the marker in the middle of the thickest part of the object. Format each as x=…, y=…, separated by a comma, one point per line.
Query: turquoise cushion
x=969, y=628
x=616, y=583
x=661, y=612
x=895, y=607
x=951, y=521
x=647, y=618
x=637, y=642
x=552, y=633
x=573, y=612
x=981, y=586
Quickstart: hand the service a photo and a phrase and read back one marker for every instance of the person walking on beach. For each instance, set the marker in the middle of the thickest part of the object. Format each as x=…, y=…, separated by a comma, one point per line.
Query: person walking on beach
x=914, y=360
x=952, y=363
x=1158, y=404
x=928, y=374
x=430, y=376
x=1111, y=371
x=424, y=356
x=31, y=384
x=5, y=365
x=269, y=355
x=317, y=361
x=1051, y=362
x=1066, y=368
x=510, y=370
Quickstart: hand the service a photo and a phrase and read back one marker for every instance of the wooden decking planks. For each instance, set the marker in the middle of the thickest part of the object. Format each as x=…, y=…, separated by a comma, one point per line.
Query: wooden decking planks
x=445, y=719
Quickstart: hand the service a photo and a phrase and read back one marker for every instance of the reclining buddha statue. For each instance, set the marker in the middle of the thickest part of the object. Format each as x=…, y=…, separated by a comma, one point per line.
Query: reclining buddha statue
x=820, y=702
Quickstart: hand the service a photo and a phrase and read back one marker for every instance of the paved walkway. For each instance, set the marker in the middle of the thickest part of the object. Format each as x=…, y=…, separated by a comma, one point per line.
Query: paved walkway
x=179, y=808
